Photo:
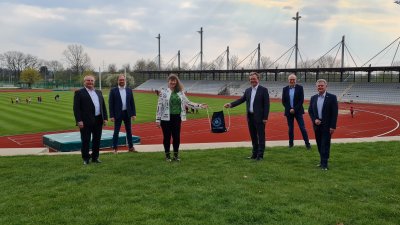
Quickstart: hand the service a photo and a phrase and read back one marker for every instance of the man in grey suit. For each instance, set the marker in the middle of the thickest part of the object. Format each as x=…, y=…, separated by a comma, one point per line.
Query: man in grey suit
x=323, y=111
x=90, y=115
x=257, y=108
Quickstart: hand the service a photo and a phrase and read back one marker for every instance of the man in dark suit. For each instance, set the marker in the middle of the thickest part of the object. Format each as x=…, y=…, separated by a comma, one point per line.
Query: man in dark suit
x=90, y=115
x=323, y=111
x=122, y=108
x=257, y=107
x=292, y=100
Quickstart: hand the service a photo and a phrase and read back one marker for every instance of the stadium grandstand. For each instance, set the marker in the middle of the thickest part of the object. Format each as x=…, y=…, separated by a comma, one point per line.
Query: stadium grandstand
x=357, y=90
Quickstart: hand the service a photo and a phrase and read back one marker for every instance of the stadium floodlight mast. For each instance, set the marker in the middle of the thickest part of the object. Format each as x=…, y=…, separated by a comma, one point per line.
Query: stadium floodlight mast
x=297, y=38
x=201, y=47
x=159, y=52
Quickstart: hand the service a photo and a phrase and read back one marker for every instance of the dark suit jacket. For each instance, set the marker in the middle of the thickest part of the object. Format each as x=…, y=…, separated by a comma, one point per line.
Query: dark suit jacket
x=260, y=104
x=297, y=100
x=115, y=103
x=84, y=108
x=329, y=110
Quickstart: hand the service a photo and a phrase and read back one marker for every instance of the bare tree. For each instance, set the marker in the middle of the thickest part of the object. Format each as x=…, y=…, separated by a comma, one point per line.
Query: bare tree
x=307, y=63
x=234, y=62
x=185, y=66
x=266, y=62
x=126, y=67
x=54, y=65
x=30, y=61
x=140, y=65
x=327, y=62
x=17, y=61
x=151, y=65
x=77, y=59
x=55, y=69
x=112, y=68
x=13, y=60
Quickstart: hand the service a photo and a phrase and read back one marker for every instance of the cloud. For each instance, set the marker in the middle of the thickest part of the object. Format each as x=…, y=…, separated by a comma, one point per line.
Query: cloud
x=113, y=30
x=125, y=24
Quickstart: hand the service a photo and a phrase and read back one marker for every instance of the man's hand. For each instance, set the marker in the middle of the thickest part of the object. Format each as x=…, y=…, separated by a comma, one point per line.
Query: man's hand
x=80, y=124
x=227, y=105
x=112, y=119
x=265, y=121
x=158, y=124
x=317, y=122
x=331, y=130
x=133, y=117
x=104, y=122
x=291, y=111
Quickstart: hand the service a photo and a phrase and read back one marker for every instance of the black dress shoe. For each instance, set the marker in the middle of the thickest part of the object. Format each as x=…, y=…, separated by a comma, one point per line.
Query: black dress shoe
x=176, y=159
x=259, y=158
x=308, y=147
x=86, y=162
x=96, y=161
x=324, y=168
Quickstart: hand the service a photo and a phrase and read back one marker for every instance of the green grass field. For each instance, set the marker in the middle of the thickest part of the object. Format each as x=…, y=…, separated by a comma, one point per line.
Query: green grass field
x=26, y=118
x=207, y=187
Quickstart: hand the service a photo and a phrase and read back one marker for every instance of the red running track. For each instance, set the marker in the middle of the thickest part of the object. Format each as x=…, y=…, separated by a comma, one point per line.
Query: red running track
x=369, y=121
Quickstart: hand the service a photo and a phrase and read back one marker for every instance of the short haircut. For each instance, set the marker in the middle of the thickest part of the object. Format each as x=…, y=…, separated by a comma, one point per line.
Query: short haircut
x=254, y=73
x=94, y=78
x=321, y=81
x=292, y=75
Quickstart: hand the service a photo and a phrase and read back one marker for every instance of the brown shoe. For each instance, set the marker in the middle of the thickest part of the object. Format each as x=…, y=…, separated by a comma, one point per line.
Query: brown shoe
x=132, y=150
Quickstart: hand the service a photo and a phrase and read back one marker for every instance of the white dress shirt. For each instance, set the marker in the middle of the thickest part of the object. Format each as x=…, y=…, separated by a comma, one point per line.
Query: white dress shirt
x=122, y=92
x=253, y=95
x=95, y=100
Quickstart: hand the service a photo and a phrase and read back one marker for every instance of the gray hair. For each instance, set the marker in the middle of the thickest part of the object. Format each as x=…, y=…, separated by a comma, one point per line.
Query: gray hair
x=321, y=81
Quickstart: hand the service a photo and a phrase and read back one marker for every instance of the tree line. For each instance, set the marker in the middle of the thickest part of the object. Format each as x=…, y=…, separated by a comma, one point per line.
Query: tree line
x=18, y=67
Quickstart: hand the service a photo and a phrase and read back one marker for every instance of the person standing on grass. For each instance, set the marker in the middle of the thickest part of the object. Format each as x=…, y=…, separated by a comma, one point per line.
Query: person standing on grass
x=122, y=108
x=170, y=114
x=257, y=107
x=323, y=111
x=90, y=115
x=292, y=100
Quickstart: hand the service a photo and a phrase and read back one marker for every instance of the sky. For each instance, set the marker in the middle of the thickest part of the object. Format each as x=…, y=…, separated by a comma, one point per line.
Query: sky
x=121, y=32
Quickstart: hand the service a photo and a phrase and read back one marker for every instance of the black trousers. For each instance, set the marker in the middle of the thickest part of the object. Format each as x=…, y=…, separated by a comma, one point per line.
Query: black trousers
x=257, y=134
x=172, y=128
x=94, y=131
x=323, y=139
